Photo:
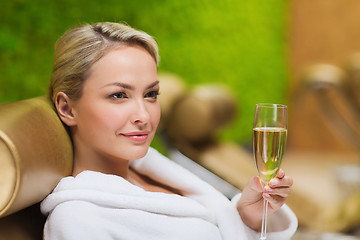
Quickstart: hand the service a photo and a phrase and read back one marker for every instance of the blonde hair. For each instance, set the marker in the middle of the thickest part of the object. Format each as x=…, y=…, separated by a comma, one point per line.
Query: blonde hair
x=81, y=46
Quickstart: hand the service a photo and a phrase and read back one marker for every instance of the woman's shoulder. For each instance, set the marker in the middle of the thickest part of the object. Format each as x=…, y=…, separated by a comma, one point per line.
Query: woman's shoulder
x=73, y=220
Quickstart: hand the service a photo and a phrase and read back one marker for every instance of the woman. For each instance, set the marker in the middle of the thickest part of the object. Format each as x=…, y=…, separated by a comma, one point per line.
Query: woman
x=104, y=86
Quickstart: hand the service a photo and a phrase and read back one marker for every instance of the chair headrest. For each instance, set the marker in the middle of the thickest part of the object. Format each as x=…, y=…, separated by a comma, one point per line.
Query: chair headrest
x=35, y=153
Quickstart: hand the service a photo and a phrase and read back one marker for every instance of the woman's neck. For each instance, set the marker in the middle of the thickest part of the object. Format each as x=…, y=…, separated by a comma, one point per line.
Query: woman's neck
x=84, y=159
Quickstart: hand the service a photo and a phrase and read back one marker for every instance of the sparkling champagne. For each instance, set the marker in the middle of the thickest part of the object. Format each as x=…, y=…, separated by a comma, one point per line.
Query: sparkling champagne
x=269, y=144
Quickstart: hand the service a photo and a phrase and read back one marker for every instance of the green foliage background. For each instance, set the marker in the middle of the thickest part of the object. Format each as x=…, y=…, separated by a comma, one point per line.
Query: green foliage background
x=239, y=43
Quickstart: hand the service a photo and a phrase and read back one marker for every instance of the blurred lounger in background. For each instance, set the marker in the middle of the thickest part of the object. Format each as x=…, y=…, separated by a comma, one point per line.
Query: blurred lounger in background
x=321, y=198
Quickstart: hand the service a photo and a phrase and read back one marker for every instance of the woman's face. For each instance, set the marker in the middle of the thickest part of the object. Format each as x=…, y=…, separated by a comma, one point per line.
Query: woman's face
x=118, y=112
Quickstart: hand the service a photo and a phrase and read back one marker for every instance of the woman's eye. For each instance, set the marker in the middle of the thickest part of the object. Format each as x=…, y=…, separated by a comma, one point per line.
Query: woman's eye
x=152, y=94
x=118, y=95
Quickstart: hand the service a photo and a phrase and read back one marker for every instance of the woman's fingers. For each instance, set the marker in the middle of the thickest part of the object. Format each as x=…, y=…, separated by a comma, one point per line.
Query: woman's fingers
x=280, y=174
x=285, y=181
x=275, y=201
x=280, y=191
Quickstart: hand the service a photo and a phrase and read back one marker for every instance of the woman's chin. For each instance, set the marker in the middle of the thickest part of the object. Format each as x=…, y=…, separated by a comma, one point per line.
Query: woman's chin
x=138, y=153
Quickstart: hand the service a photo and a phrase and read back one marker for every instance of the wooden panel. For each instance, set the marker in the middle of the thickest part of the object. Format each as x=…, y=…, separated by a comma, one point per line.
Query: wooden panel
x=320, y=31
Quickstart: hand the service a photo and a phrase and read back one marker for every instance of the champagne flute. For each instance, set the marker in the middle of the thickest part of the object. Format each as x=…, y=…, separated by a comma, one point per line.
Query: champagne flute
x=269, y=140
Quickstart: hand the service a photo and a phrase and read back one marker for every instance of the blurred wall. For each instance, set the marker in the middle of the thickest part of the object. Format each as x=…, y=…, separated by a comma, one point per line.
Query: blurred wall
x=320, y=31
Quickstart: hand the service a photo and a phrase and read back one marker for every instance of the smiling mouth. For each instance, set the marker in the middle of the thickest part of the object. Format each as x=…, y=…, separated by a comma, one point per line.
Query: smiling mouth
x=137, y=137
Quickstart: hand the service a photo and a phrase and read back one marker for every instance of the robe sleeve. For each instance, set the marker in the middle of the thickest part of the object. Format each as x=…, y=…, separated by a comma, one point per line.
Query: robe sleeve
x=281, y=225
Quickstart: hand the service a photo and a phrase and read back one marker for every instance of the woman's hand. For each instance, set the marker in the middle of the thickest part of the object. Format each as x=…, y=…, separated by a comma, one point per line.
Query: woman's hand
x=250, y=206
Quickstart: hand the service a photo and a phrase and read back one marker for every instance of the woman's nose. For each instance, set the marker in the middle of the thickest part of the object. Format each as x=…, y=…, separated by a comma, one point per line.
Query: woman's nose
x=140, y=114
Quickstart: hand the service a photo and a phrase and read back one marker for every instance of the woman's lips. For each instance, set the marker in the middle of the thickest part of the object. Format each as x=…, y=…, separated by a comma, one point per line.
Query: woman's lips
x=137, y=136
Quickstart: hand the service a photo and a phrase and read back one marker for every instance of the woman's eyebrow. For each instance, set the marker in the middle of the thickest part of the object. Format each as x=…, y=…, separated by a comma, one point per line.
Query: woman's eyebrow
x=153, y=84
x=119, y=84
x=127, y=86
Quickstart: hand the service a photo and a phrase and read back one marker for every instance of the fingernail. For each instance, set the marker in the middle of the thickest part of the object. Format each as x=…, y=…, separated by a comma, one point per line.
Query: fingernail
x=267, y=189
x=266, y=195
x=274, y=182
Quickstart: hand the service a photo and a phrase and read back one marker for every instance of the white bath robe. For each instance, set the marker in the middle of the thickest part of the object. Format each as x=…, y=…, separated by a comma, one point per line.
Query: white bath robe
x=100, y=206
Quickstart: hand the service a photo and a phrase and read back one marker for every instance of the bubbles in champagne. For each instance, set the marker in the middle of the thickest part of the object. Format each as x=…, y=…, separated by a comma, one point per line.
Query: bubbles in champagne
x=269, y=145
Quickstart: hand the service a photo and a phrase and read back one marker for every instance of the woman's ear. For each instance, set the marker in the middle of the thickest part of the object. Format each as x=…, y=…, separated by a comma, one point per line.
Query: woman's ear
x=64, y=107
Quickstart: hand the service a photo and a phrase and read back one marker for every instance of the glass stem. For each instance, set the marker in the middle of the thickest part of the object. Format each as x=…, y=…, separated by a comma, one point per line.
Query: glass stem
x=264, y=221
